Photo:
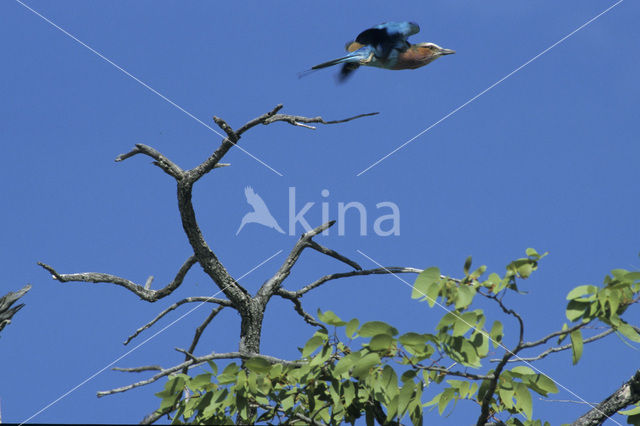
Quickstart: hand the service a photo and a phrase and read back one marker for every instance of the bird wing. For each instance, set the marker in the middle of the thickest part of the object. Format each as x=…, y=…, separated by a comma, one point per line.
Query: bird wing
x=385, y=37
x=388, y=32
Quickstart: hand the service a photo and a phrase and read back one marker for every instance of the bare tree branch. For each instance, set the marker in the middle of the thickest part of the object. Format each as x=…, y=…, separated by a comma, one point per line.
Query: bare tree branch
x=163, y=162
x=200, y=330
x=204, y=299
x=326, y=278
x=508, y=311
x=297, y=305
x=258, y=120
x=138, y=369
x=6, y=301
x=549, y=336
x=142, y=292
x=297, y=120
x=324, y=250
x=189, y=364
x=485, y=410
x=560, y=348
x=448, y=372
x=627, y=394
x=272, y=285
x=153, y=417
x=188, y=354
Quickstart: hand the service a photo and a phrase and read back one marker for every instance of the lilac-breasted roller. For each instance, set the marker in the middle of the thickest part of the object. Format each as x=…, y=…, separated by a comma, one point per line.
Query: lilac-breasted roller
x=386, y=46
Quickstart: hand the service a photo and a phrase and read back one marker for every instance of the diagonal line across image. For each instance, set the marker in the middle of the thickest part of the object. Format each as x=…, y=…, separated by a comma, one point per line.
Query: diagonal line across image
x=145, y=85
x=485, y=334
x=372, y=165
x=162, y=330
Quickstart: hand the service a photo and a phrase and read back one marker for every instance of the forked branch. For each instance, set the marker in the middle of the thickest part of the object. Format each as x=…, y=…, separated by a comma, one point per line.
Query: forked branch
x=141, y=291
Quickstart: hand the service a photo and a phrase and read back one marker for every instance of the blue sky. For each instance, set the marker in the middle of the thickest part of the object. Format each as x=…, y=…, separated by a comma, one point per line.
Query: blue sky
x=546, y=159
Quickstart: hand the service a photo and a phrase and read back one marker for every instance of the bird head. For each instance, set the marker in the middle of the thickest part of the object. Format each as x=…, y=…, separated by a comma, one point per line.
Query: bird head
x=432, y=49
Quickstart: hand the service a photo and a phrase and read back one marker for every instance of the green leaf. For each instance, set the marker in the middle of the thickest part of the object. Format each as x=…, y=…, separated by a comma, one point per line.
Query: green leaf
x=330, y=318
x=543, y=385
x=467, y=265
x=405, y=397
x=506, y=396
x=628, y=331
x=345, y=364
x=463, y=323
x=523, y=399
x=576, y=345
x=199, y=381
x=496, y=333
x=580, y=291
x=523, y=370
x=287, y=403
x=349, y=392
x=370, y=329
x=229, y=374
x=465, y=296
x=413, y=339
x=630, y=412
x=424, y=281
x=276, y=370
x=392, y=408
x=351, y=328
x=494, y=282
x=532, y=252
x=389, y=381
x=408, y=375
x=314, y=343
x=575, y=310
x=446, y=320
x=631, y=276
x=364, y=364
x=525, y=270
x=381, y=342
x=479, y=272
x=259, y=365
x=445, y=397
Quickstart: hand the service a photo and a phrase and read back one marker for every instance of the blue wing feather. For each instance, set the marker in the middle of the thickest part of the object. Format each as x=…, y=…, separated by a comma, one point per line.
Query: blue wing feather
x=388, y=36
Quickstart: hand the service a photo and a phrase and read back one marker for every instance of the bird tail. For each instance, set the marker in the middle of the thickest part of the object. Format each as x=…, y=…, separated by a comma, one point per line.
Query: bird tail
x=350, y=58
x=351, y=62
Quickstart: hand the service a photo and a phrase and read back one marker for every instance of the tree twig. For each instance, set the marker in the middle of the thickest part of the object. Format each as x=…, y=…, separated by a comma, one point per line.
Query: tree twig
x=163, y=162
x=508, y=311
x=142, y=292
x=203, y=299
x=138, y=369
x=558, y=348
x=330, y=277
x=189, y=364
x=6, y=301
x=200, y=330
x=297, y=120
x=297, y=305
x=332, y=253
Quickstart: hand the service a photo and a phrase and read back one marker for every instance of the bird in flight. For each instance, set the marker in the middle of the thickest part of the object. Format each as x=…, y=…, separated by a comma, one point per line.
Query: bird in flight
x=386, y=46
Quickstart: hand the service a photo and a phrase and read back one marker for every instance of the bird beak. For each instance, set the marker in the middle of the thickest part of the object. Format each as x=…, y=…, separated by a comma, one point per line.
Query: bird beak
x=446, y=52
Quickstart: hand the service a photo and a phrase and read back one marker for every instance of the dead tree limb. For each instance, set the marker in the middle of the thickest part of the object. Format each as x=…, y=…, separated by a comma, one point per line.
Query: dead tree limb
x=6, y=311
